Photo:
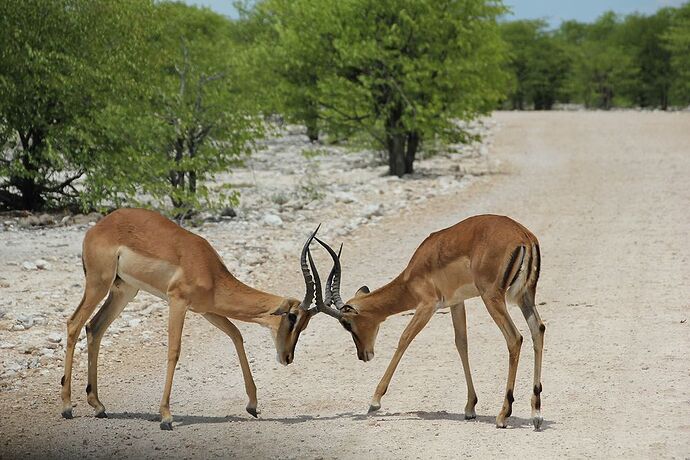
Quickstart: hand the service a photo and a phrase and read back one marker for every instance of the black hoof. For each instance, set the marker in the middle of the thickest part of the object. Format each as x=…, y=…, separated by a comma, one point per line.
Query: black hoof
x=373, y=408
x=67, y=414
x=470, y=417
x=166, y=426
x=253, y=412
x=101, y=415
x=537, y=421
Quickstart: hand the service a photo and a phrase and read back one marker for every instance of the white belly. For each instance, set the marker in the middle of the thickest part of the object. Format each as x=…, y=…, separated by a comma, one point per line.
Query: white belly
x=145, y=273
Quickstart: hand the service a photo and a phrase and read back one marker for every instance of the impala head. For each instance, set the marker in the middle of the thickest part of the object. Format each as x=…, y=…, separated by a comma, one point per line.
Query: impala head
x=362, y=325
x=294, y=314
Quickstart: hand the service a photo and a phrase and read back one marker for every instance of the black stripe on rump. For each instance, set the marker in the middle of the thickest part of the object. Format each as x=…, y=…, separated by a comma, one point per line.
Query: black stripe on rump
x=511, y=265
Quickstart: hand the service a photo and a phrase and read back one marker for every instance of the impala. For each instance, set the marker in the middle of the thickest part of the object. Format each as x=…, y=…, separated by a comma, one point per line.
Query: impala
x=489, y=256
x=136, y=249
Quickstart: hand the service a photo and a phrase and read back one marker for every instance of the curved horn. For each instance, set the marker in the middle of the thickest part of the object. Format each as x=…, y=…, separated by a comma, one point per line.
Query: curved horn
x=317, y=280
x=308, y=280
x=334, y=278
x=329, y=281
x=320, y=305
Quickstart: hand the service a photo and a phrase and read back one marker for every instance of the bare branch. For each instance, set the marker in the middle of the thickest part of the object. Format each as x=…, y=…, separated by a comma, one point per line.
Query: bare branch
x=68, y=181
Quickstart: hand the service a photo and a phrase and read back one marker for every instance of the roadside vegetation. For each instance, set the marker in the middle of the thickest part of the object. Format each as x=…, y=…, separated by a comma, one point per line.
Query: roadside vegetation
x=105, y=104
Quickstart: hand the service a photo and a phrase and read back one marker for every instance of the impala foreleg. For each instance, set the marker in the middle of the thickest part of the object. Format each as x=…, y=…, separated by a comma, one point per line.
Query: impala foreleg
x=120, y=295
x=495, y=303
x=93, y=294
x=178, y=309
x=537, y=328
x=460, y=326
x=231, y=330
x=420, y=319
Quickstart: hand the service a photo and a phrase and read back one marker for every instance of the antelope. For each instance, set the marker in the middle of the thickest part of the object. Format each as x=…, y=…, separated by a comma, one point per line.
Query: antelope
x=137, y=249
x=489, y=256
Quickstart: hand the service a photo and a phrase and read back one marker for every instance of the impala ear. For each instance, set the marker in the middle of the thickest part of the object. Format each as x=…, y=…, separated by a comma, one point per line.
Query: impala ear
x=349, y=309
x=361, y=291
x=283, y=309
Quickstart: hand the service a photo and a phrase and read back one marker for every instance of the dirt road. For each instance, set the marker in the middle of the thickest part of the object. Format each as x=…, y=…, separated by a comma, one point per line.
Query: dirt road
x=606, y=193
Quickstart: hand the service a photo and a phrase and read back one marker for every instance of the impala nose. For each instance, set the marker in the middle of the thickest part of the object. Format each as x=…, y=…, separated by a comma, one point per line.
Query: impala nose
x=284, y=359
x=366, y=356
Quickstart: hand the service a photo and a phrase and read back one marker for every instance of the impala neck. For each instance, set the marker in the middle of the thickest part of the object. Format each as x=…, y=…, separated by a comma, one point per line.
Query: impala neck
x=242, y=302
x=387, y=300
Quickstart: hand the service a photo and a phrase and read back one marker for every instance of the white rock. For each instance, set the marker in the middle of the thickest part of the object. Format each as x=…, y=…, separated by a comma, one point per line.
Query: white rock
x=344, y=197
x=46, y=352
x=6, y=345
x=13, y=367
x=42, y=264
x=372, y=210
x=38, y=320
x=54, y=337
x=17, y=327
x=29, y=266
x=133, y=322
x=272, y=220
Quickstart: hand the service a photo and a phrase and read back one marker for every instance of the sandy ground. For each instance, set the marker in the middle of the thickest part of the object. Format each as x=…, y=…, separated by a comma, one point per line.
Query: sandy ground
x=607, y=195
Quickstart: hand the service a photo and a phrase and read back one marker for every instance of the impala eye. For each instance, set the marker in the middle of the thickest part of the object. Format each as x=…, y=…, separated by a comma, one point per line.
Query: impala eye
x=292, y=318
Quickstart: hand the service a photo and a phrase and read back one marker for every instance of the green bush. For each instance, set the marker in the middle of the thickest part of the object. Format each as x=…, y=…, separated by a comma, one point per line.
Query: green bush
x=399, y=71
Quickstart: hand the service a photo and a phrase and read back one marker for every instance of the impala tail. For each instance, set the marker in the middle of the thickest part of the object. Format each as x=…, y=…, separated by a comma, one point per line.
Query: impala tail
x=522, y=274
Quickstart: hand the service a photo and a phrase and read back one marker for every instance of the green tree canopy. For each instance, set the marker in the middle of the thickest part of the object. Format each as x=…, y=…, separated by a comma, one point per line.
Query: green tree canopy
x=604, y=69
x=110, y=103
x=62, y=63
x=538, y=62
x=643, y=37
x=204, y=119
x=677, y=42
x=401, y=71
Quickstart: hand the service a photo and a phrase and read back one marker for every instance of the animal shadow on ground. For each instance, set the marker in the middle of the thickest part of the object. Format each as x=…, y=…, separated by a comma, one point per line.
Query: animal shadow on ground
x=185, y=420
x=513, y=422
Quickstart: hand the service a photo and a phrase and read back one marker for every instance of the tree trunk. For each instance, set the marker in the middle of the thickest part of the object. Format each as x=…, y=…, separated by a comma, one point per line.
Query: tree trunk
x=311, y=120
x=396, y=154
x=395, y=141
x=312, y=129
x=31, y=191
x=32, y=198
x=192, y=182
x=176, y=176
x=411, y=152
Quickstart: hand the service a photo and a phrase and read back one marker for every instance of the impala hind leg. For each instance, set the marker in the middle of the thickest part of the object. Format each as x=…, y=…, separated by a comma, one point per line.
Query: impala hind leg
x=537, y=328
x=231, y=330
x=178, y=309
x=96, y=289
x=420, y=319
x=120, y=295
x=496, y=304
x=460, y=326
